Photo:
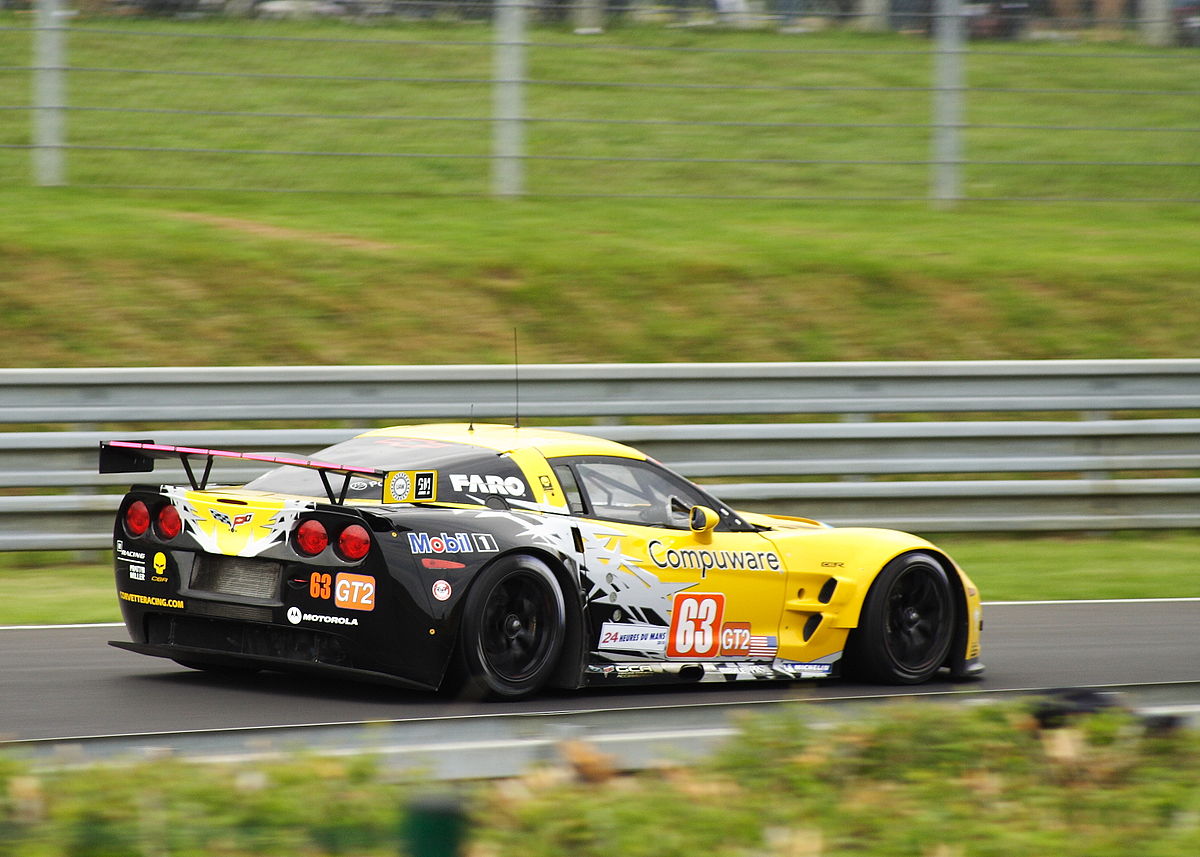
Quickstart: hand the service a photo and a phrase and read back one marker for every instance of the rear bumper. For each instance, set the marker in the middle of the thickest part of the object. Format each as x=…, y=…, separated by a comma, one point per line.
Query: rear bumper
x=235, y=642
x=223, y=658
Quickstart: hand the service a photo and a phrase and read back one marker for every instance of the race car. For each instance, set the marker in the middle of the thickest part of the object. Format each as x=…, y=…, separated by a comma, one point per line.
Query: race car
x=500, y=560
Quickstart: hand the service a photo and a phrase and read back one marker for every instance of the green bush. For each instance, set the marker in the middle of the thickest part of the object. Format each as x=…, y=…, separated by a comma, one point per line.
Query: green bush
x=981, y=781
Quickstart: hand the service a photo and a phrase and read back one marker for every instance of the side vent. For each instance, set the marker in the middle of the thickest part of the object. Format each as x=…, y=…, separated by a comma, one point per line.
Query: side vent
x=810, y=626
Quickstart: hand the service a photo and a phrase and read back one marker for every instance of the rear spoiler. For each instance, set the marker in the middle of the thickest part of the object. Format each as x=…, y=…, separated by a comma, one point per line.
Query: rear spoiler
x=137, y=456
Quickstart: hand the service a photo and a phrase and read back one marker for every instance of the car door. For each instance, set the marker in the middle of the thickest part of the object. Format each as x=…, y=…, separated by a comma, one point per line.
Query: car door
x=661, y=590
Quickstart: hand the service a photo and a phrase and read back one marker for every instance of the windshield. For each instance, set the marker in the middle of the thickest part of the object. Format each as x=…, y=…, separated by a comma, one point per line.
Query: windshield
x=466, y=474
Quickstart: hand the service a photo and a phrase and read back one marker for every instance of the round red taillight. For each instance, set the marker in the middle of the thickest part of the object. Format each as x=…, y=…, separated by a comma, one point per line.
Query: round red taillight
x=137, y=519
x=311, y=537
x=167, y=523
x=354, y=542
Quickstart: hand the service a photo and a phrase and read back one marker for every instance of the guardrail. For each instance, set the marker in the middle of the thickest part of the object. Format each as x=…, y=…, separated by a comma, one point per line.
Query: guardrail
x=1047, y=474
x=404, y=393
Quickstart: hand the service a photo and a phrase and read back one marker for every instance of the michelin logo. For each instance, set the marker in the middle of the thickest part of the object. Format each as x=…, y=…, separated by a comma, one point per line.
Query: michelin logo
x=452, y=543
x=805, y=669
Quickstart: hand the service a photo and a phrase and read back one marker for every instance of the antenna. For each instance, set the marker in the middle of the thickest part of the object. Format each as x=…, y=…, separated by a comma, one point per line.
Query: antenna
x=516, y=383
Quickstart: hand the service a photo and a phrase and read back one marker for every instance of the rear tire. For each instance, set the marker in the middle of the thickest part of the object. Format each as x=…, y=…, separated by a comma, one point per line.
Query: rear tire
x=907, y=622
x=513, y=628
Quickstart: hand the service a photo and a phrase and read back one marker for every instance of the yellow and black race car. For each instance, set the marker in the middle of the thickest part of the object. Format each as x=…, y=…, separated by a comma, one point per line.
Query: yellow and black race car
x=500, y=560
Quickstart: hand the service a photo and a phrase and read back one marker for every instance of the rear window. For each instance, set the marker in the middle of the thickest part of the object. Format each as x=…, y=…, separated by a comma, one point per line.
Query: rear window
x=466, y=474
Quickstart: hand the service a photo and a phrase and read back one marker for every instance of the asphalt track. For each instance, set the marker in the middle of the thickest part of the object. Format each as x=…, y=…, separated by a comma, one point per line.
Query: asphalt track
x=58, y=683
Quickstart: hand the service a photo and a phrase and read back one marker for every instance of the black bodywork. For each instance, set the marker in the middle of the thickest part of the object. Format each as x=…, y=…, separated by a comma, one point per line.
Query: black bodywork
x=201, y=612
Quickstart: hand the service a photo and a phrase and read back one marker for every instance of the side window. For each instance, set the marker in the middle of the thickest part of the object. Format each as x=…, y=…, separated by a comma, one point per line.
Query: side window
x=635, y=493
x=566, y=478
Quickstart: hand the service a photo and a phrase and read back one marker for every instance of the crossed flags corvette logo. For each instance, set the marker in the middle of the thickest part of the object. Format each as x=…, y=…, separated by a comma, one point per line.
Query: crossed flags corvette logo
x=232, y=522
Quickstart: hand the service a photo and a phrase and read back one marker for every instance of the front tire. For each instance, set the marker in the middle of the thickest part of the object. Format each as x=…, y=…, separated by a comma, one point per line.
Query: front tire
x=907, y=622
x=513, y=628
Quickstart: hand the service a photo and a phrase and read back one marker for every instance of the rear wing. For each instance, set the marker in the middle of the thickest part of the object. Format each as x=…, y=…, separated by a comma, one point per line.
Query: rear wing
x=137, y=456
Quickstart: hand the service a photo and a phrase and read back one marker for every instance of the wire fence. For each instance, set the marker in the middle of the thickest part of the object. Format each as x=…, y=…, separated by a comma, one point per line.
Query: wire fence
x=786, y=99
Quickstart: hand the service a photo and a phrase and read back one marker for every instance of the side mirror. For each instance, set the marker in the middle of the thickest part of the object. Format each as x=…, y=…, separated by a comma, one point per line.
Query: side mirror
x=703, y=520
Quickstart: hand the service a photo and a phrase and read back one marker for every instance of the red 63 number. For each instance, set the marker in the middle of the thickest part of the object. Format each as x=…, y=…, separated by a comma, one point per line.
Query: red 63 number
x=696, y=625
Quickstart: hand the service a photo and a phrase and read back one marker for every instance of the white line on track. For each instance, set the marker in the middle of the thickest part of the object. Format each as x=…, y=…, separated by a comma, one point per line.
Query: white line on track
x=60, y=627
x=1064, y=602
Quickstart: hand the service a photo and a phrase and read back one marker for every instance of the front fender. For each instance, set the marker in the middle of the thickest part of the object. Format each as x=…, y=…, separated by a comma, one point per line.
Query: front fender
x=829, y=573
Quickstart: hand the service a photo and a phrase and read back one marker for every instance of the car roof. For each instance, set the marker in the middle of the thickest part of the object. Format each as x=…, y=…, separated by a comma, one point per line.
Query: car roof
x=551, y=443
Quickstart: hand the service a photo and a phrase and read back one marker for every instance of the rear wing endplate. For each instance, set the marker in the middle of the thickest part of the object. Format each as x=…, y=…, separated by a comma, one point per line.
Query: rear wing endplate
x=137, y=456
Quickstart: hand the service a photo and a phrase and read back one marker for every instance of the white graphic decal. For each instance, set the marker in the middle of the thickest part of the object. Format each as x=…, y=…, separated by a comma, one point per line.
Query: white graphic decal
x=275, y=530
x=474, y=483
x=618, y=637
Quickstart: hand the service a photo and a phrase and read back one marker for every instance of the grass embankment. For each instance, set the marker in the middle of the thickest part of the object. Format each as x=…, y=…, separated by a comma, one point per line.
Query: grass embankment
x=92, y=280
x=904, y=780
x=47, y=589
x=106, y=277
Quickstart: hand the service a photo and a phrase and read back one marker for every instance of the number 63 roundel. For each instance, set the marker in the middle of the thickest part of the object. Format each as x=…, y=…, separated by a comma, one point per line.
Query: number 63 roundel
x=696, y=625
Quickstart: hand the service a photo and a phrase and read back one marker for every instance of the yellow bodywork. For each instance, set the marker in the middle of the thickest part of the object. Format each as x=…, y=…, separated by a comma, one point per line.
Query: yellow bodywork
x=769, y=582
x=237, y=523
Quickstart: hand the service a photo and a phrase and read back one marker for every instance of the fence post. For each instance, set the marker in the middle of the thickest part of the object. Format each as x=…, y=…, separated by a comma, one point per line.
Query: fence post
x=508, y=99
x=873, y=16
x=588, y=17
x=1156, y=23
x=948, y=89
x=48, y=89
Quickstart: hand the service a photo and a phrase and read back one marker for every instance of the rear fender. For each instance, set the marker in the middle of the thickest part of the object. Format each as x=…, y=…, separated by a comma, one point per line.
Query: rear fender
x=569, y=673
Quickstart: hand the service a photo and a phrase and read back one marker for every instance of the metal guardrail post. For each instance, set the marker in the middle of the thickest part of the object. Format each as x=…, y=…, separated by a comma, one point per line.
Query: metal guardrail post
x=48, y=94
x=948, y=89
x=508, y=99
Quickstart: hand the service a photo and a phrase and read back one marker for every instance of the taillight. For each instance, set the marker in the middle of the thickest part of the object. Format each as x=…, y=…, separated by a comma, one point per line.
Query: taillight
x=137, y=519
x=311, y=537
x=354, y=542
x=167, y=523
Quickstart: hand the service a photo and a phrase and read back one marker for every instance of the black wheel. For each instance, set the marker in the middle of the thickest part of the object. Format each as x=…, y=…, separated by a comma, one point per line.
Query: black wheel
x=907, y=622
x=513, y=627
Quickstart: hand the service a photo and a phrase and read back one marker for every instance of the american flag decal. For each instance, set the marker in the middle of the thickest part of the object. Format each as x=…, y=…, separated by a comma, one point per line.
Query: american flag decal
x=763, y=647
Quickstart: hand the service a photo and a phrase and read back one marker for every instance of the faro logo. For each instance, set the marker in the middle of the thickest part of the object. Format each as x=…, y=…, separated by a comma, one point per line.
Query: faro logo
x=474, y=483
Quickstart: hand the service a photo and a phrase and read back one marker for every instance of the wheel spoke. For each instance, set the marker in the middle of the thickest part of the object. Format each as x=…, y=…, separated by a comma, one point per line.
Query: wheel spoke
x=513, y=619
x=916, y=611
